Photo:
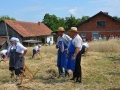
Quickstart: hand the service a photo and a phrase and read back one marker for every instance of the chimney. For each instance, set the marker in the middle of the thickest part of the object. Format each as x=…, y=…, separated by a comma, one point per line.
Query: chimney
x=105, y=13
x=38, y=23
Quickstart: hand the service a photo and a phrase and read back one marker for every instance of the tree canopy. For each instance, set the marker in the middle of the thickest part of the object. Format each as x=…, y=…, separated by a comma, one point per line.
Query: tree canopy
x=117, y=18
x=53, y=22
x=6, y=17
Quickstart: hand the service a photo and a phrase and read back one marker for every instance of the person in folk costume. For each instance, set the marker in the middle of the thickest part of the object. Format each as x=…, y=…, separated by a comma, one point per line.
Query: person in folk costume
x=36, y=50
x=74, y=54
x=84, y=49
x=62, y=45
x=3, y=53
x=16, y=51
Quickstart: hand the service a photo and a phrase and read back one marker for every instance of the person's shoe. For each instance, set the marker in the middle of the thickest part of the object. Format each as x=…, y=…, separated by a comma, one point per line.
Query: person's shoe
x=62, y=75
x=67, y=75
x=72, y=78
x=11, y=75
x=78, y=79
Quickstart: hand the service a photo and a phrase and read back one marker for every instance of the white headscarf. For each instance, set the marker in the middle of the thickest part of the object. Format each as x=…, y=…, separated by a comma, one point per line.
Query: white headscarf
x=13, y=39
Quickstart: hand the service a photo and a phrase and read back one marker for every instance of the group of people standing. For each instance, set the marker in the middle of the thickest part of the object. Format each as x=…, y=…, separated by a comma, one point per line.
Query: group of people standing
x=69, y=53
x=70, y=48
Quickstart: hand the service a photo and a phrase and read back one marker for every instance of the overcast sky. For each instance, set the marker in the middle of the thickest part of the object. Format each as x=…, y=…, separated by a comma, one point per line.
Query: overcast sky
x=34, y=10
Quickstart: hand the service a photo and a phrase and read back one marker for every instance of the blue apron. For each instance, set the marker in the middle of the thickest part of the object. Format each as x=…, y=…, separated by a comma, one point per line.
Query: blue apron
x=71, y=63
x=61, y=59
x=15, y=60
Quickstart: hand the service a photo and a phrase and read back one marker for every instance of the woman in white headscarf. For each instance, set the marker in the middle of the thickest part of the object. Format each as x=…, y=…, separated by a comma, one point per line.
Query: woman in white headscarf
x=16, y=52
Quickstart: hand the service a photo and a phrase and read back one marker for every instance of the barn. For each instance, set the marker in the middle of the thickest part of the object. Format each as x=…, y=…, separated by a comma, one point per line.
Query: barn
x=101, y=24
x=24, y=31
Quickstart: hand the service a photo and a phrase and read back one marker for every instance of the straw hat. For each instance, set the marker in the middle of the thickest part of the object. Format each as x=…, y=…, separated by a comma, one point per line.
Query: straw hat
x=74, y=29
x=61, y=29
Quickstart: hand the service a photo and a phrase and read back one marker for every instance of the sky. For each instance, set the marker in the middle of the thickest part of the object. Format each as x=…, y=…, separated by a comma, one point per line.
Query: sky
x=35, y=10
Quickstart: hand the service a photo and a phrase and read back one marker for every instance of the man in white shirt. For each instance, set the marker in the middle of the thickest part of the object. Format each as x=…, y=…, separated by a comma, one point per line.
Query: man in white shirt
x=74, y=56
x=36, y=50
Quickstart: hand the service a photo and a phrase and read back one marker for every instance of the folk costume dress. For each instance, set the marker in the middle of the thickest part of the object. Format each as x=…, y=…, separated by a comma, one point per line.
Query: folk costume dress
x=15, y=61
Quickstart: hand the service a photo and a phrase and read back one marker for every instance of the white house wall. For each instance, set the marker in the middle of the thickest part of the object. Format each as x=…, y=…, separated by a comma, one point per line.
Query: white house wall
x=50, y=39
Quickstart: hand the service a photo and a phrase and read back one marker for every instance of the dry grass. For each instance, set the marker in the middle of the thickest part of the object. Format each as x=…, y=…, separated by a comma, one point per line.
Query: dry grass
x=112, y=45
x=99, y=72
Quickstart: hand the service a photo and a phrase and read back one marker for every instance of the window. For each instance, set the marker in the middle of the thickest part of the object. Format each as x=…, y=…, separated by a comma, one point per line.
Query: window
x=101, y=23
x=95, y=35
x=83, y=35
x=50, y=39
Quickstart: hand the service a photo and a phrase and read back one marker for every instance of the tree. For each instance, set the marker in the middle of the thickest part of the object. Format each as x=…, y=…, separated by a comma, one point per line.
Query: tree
x=53, y=22
x=71, y=21
x=6, y=18
x=84, y=18
x=117, y=18
x=61, y=22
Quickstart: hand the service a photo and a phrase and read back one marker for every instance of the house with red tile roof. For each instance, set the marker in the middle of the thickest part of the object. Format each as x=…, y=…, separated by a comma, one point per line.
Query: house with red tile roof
x=26, y=30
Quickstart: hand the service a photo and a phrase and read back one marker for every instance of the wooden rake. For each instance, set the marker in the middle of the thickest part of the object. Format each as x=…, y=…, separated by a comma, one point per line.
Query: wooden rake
x=30, y=74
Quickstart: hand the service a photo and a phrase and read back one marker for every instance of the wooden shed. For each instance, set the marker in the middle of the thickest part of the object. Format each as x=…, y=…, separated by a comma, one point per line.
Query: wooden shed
x=26, y=30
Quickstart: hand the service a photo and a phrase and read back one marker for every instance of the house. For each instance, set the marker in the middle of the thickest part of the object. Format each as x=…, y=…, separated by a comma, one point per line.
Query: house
x=26, y=31
x=100, y=24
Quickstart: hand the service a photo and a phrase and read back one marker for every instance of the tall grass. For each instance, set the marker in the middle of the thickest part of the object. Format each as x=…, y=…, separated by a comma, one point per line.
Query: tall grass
x=112, y=45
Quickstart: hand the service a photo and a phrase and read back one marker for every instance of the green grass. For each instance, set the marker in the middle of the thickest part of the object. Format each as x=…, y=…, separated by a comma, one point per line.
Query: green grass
x=99, y=72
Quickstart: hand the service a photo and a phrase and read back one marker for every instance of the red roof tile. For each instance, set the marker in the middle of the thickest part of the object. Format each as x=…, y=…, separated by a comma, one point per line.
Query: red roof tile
x=27, y=29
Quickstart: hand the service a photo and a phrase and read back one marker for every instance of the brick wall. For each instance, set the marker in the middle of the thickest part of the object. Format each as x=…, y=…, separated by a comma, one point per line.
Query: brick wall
x=112, y=26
